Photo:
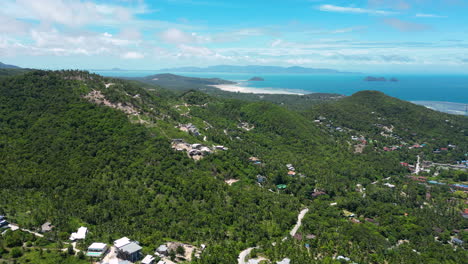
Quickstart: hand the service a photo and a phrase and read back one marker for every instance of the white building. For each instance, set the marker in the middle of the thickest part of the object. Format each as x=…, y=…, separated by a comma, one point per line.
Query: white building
x=148, y=260
x=96, y=250
x=80, y=234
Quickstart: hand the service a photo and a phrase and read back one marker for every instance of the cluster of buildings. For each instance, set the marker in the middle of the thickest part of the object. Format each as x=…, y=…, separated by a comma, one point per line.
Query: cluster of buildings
x=397, y=147
x=127, y=251
x=291, y=170
x=196, y=151
x=361, y=139
x=164, y=251
x=246, y=126
x=189, y=128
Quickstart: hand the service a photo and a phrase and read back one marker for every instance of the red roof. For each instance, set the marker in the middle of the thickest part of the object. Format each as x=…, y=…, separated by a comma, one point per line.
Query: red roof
x=466, y=210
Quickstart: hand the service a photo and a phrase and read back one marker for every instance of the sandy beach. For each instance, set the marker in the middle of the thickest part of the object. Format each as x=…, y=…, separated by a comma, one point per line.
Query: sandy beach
x=242, y=89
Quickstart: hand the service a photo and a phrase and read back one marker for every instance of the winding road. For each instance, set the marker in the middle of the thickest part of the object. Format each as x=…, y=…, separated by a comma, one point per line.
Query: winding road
x=418, y=166
x=246, y=252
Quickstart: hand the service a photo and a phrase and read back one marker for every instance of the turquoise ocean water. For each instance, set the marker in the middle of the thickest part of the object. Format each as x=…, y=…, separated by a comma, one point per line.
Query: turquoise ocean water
x=443, y=89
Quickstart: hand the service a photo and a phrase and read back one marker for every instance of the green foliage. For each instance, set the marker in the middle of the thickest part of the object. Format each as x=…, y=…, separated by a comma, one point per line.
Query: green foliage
x=73, y=162
x=16, y=252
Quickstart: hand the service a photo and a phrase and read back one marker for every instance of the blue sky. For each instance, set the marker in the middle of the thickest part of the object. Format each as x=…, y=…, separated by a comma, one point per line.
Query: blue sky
x=397, y=36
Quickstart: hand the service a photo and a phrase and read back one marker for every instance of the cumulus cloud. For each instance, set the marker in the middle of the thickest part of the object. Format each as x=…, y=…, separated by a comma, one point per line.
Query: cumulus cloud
x=353, y=10
x=72, y=13
x=405, y=26
x=132, y=55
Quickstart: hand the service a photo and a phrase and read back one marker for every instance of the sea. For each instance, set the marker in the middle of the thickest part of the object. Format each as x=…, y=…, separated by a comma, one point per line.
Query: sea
x=446, y=93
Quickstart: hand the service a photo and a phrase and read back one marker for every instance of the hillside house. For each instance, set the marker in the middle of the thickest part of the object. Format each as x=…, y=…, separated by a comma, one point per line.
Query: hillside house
x=80, y=234
x=97, y=250
x=317, y=193
x=46, y=227
x=162, y=251
x=254, y=159
x=261, y=179
x=127, y=249
x=4, y=223
x=148, y=259
x=457, y=241
x=348, y=213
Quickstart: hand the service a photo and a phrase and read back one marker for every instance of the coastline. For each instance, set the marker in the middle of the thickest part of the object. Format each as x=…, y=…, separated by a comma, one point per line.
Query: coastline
x=235, y=88
x=446, y=107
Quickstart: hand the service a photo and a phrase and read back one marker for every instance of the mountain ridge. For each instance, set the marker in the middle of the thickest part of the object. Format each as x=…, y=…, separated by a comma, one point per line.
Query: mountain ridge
x=8, y=66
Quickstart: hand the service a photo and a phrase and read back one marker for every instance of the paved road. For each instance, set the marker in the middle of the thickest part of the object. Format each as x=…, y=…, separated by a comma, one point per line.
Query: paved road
x=418, y=166
x=16, y=227
x=299, y=221
x=245, y=253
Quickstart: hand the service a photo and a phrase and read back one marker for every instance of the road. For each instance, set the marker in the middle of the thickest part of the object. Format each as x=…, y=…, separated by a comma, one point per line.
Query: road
x=246, y=252
x=299, y=221
x=418, y=166
x=14, y=227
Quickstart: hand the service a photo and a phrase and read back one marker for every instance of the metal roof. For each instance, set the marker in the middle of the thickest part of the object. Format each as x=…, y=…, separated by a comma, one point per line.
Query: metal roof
x=131, y=248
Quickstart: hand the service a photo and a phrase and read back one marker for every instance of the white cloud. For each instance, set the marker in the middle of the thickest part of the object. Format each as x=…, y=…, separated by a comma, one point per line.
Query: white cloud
x=73, y=13
x=130, y=34
x=353, y=10
x=132, y=55
x=429, y=15
x=12, y=26
x=176, y=36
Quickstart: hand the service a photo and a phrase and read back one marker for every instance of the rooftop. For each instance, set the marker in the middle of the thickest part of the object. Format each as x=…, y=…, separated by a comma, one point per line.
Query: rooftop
x=80, y=234
x=147, y=260
x=121, y=242
x=131, y=248
x=97, y=246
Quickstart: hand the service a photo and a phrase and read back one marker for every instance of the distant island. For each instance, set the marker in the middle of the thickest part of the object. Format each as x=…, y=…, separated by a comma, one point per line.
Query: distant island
x=375, y=79
x=254, y=69
x=379, y=79
x=256, y=79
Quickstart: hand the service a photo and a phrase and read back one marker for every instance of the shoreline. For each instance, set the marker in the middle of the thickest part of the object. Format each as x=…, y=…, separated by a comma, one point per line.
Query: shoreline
x=445, y=107
x=236, y=88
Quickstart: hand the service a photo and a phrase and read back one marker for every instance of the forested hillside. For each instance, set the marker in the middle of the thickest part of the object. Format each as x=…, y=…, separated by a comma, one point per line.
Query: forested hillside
x=80, y=149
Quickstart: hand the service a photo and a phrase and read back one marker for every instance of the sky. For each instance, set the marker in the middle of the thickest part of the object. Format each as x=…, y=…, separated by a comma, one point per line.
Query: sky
x=394, y=36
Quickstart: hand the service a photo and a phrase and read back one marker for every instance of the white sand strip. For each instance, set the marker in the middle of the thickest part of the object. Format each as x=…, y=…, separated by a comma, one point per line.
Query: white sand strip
x=241, y=89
